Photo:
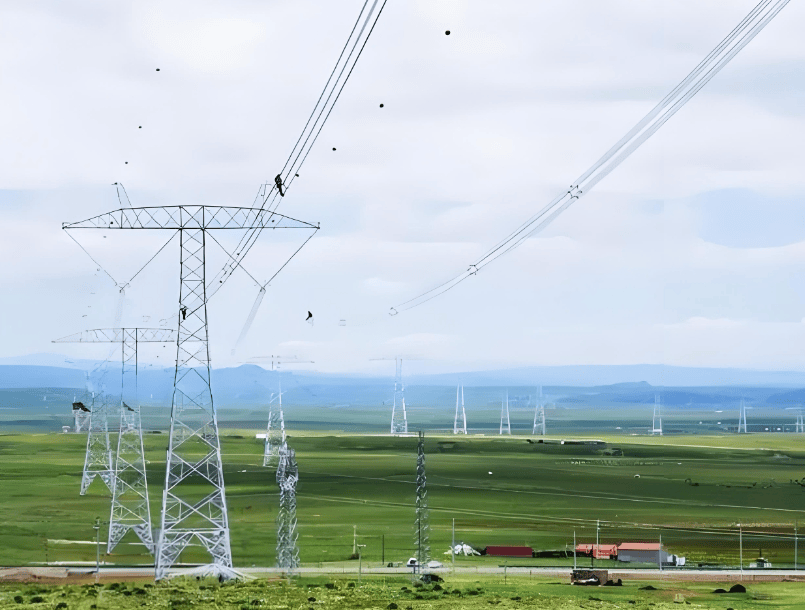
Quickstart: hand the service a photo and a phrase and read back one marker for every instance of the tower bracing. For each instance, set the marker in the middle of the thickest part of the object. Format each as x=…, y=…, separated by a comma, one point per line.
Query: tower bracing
x=421, y=523
x=194, y=509
x=539, y=416
x=800, y=427
x=130, y=509
x=399, y=418
x=81, y=415
x=287, y=479
x=656, y=420
x=460, y=428
x=505, y=422
x=275, y=431
x=98, y=457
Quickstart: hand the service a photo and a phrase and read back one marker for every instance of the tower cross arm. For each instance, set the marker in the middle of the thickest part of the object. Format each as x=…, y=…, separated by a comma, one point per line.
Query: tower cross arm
x=190, y=217
x=117, y=335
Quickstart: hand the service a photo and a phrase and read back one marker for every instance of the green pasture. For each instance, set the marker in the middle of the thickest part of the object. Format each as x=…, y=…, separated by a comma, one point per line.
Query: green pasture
x=398, y=593
x=692, y=491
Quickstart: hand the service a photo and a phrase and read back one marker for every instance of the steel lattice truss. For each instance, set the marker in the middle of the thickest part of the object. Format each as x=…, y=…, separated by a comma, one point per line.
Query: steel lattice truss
x=539, y=416
x=399, y=418
x=98, y=458
x=194, y=510
x=275, y=431
x=505, y=420
x=130, y=508
x=421, y=524
x=82, y=419
x=287, y=479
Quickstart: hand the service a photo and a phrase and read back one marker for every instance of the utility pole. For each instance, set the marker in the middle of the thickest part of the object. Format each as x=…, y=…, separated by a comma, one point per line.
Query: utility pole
x=191, y=473
x=659, y=554
x=741, y=548
x=354, y=539
x=97, y=528
x=383, y=549
x=453, y=547
x=574, y=549
x=796, y=523
x=360, y=561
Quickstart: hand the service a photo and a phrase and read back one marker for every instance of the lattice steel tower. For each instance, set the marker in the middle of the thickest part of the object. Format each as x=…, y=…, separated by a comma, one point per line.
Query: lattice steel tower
x=505, y=422
x=81, y=412
x=131, y=509
x=539, y=416
x=463, y=428
x=399, y=418
x=421, y=523
x=275, y=430
x=194, y=510
x=287, y=479
x=656, y=420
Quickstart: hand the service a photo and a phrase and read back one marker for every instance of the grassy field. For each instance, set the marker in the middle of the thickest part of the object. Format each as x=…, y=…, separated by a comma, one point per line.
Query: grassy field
x=691, y=490
x=391, y=594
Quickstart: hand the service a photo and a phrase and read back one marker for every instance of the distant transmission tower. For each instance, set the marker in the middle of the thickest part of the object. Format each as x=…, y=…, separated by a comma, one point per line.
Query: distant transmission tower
x=287, y=479
x=539, y=416
x=131, y=510
x=656, y=420
x=505, y=422
x=98, y=457
x=399, y=418
x=799, y=427
x=275, y=431
x=194, y=510
x=421, y=525
x=742, y=417
x=463, y=428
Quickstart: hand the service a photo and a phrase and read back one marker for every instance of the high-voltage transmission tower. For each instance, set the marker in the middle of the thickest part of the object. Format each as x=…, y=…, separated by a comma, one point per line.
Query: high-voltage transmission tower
x=399, y=418
x=505, y=422
x=275, y=430
x=460, y=429
x=287, y=479
x=131, y=509
x=799, y=427
x=656, y=420
x=539, y=416
x=421, y=523
x=81, y=412
x=742, y=417
x=194, y=510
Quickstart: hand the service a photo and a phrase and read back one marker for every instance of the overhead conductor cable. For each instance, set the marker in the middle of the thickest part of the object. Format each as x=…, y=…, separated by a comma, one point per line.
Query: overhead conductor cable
x=719, y=57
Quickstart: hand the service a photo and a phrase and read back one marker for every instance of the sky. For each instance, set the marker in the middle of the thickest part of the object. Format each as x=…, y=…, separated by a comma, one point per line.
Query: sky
x=691, y=253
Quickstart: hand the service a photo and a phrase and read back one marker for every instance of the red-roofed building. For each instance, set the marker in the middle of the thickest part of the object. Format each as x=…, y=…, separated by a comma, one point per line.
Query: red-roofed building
x=598, y=551
x=644, y=552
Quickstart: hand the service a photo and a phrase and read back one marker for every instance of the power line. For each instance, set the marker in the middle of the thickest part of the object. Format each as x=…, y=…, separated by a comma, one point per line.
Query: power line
x=736, y=40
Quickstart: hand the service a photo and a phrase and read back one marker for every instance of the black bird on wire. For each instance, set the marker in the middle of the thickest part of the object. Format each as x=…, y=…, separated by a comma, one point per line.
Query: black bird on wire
x=278, y=182
x=309, y=318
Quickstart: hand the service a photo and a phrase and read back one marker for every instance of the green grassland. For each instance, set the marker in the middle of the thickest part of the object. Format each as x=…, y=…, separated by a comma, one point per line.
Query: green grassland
x=396, y=593
x=692, y=490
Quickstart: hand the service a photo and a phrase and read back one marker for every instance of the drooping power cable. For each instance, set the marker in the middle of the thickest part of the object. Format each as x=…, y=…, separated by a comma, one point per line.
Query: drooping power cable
x=736, y=40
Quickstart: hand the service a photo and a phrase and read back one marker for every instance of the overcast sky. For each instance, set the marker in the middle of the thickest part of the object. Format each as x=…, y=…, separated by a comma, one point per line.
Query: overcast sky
x=691, y=253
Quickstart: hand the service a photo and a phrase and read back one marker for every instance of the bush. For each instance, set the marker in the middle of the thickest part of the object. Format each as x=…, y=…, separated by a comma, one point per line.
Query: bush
x=61, y=605
x=37, y=599
x=18, y=599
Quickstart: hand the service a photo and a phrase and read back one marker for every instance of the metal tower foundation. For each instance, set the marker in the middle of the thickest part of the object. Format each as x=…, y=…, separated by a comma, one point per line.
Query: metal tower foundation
x=287, y=479
x=399, y=418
